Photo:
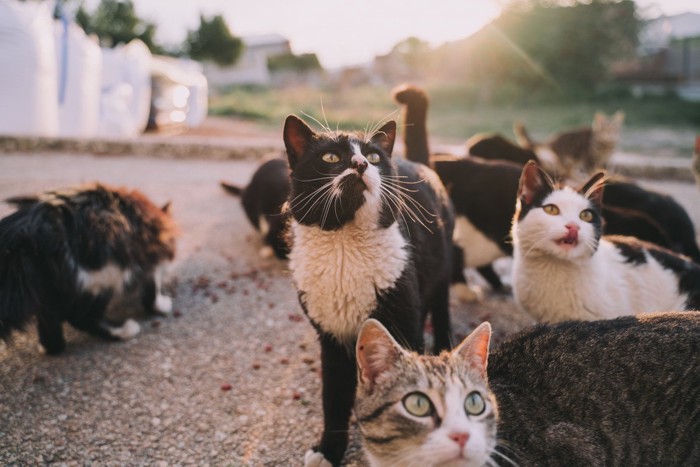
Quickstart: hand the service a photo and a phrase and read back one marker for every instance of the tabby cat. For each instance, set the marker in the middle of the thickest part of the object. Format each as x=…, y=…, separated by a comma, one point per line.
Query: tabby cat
x=564, y=269
x=580, y=151
x=65, y=254
x=371, y=238
x=614, y=392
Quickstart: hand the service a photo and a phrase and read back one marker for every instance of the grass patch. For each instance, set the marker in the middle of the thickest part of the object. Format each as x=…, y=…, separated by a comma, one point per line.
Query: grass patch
x=653, y=125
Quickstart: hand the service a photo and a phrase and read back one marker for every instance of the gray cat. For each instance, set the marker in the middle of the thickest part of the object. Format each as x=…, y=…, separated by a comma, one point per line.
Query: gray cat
x=615, y=392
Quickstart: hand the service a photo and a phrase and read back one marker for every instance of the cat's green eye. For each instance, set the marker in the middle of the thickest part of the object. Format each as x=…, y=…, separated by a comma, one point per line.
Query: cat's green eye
x=373, y=158
x=550, y=209
x=418, y=404
x=474, y=404
x=330, y=158
x=586, y=215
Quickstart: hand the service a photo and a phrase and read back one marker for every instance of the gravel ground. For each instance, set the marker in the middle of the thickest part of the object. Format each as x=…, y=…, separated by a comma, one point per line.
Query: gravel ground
x=232, y=378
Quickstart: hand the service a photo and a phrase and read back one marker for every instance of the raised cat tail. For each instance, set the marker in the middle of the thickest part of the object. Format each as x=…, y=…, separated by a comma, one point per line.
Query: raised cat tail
x=19, y=278
x=523, y=137
x=232, y=189
x=415, y=132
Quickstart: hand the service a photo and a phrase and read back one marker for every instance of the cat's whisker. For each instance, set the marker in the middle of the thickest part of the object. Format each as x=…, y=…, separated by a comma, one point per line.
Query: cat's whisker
x=319, y=199
x=327, y=177
x=324, y=127
x=295, y=204
x=503, y=456
x=403, y=207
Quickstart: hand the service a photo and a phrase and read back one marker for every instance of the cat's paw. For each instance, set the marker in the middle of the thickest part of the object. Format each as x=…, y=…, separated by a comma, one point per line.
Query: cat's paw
x=266, y=252
x=129, y=329
x=163, y=305
x=315, y=459
x=468, y=293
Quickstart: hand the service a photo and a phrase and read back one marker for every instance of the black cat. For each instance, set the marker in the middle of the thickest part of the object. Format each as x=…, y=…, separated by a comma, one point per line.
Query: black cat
x=263, y=200
x=65, y=254
x=371, y=238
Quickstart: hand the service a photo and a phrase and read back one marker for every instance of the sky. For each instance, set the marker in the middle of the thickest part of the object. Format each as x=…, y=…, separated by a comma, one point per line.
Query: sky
x=346, y=32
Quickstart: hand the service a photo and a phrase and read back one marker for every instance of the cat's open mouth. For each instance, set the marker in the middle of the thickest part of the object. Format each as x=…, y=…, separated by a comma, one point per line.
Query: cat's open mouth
x=570, y=239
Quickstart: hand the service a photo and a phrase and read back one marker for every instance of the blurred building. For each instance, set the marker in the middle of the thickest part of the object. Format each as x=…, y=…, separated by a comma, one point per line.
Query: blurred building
x=668, y=57
x=251, y=67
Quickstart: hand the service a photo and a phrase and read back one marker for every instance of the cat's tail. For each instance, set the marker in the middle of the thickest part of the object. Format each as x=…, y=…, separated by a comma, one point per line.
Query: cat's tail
x=523, y=137
x=20, y=281
x=232, y=189
x=415, y=132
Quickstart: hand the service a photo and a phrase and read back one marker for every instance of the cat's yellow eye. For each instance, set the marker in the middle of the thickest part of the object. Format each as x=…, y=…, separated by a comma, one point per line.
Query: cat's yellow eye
x=586, y=215
x=418, y=404
x=550, y=209
x=330, y=158
x=373, y=158
x=474, y=404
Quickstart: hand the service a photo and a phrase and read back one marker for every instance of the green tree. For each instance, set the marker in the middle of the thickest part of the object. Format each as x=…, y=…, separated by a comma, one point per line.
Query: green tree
x=213, y=41
x=115, y=22
x=291, y=62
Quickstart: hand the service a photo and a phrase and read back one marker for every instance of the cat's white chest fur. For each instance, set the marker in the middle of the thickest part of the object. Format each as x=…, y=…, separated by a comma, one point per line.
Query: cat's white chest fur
x=340, y=272
x=601, y=287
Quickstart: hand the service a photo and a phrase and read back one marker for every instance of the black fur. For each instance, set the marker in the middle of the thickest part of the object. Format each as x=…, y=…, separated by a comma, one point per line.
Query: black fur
x=45, y=242
x=264, y=197
x=424, y=283
x=496, y=147
x=612, y=392
x=632, y=249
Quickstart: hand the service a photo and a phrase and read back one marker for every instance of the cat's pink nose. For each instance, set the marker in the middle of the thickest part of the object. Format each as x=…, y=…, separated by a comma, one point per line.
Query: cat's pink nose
x=460, y=438
x=360, y=164
x=572, y=230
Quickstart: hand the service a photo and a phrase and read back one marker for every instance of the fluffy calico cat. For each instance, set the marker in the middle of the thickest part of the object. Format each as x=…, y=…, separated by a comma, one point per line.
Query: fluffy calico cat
x=696, y=160
x=563, y=268
x=65, y=254
x=579, y=151
x=262, y=202
x=371, y=238
x=608, y=392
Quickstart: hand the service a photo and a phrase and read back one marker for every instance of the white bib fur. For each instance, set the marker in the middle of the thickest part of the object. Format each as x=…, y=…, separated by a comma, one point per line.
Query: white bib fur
x=340, y=272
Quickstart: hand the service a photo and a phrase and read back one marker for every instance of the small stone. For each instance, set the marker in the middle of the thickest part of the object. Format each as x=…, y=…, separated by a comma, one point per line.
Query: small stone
x=226, y=387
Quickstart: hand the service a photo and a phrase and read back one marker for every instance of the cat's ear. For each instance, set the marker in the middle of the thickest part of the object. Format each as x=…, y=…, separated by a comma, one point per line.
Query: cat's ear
x=385, y=136
x=593, y=188
x=474, y=349
x=697, y=144
x=167, y=207
x=297, y=136
x=533, y=180
x=376, y=352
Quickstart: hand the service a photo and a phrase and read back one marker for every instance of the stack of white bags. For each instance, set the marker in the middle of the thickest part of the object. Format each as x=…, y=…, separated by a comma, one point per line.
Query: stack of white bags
x=56, y=81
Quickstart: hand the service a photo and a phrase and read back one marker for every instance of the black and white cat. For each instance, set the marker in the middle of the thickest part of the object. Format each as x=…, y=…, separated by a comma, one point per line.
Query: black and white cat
x=64, y=255
x=581, y=393
x=263, y=200
x=482, y=192
x=564, y=269
x=371, y=238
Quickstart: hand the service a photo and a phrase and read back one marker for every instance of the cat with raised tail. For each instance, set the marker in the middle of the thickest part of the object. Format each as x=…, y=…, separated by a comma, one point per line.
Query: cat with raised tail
x=66, y=254
x=564, y=269
x=581, y=393
x=371, y=237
